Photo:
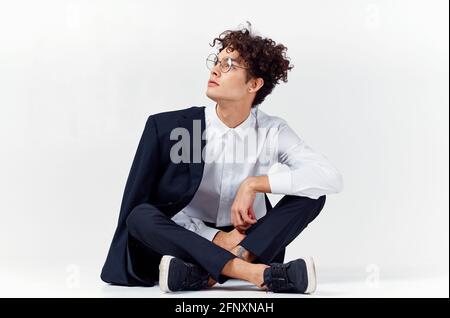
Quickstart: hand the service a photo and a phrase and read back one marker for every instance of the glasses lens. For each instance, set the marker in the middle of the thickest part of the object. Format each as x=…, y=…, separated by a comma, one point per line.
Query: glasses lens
x=211, y=61
x=225, y=64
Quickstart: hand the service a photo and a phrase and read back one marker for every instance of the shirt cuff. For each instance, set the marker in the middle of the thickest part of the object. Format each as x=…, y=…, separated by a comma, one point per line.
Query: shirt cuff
x=280, y=182
x=207, y=232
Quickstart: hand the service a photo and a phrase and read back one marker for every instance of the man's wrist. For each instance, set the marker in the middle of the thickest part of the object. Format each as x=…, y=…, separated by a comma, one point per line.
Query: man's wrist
x=251, y=183
x=218, y=236
x=257, y=184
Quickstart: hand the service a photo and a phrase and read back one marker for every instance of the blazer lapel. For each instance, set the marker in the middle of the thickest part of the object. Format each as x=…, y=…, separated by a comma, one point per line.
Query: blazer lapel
x=197, y=144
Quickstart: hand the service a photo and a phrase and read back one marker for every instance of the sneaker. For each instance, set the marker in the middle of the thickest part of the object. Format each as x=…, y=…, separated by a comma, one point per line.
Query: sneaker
x=297, y=276
x=177, y=275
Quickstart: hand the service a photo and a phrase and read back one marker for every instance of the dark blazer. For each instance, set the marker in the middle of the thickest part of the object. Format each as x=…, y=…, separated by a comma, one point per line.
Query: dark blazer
x=154, y=179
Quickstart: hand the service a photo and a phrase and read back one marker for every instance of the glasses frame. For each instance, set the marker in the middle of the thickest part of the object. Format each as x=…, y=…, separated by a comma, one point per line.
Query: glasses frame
x=216, y=61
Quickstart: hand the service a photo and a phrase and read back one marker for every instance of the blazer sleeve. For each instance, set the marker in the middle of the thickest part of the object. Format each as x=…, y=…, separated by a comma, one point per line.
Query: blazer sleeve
x=143, y=173
x=141, y=181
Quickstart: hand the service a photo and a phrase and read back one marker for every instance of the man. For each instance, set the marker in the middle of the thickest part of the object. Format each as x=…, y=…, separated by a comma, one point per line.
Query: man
x=197, y=205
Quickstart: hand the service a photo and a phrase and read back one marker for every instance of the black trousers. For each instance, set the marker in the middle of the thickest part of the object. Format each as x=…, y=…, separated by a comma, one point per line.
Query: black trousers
x=152, y=234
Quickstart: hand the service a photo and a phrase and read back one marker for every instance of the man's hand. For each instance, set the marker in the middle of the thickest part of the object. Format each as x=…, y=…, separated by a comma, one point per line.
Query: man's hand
x=242, y=214
x=228, y=240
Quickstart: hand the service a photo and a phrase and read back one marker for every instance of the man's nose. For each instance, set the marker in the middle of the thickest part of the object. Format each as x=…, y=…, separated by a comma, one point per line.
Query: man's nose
x=215, y=70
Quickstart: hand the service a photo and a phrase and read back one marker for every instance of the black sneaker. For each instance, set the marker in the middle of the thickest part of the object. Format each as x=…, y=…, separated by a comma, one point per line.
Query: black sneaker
x=177, y=275
x=297, y=276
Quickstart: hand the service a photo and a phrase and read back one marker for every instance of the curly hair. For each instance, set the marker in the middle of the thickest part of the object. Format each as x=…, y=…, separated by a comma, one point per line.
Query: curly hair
x=263, y=57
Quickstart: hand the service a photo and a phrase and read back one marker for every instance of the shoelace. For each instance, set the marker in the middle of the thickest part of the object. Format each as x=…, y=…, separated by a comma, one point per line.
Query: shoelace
x=279, y=279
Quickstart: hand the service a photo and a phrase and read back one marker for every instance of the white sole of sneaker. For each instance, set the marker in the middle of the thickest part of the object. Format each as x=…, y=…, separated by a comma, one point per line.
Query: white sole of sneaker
x=164, y=273
x=311, y=273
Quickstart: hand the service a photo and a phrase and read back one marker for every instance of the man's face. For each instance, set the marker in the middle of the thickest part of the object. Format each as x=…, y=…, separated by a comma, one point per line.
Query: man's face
x=232, y=85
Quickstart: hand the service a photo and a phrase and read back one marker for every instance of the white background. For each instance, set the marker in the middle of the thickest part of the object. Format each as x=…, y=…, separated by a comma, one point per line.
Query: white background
x=369, y=90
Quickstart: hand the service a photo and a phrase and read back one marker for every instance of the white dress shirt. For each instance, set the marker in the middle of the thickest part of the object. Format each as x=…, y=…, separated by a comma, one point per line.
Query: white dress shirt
x=251, y=149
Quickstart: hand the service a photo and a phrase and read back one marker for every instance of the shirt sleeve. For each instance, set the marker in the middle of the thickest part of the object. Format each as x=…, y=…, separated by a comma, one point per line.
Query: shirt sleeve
x=195, y=225
x=309, y=173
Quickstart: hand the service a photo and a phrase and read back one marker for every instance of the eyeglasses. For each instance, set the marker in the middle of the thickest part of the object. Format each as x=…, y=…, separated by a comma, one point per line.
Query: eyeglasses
x=225, y=64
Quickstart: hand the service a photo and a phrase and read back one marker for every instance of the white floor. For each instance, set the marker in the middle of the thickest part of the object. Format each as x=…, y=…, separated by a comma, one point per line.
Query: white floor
x=52, y=280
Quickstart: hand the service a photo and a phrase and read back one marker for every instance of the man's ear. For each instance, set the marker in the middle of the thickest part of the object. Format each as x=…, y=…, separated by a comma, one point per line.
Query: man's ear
x=255, y=85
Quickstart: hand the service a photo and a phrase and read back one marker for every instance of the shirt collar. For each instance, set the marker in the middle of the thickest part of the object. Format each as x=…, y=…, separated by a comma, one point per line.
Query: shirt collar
x=219, y=127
